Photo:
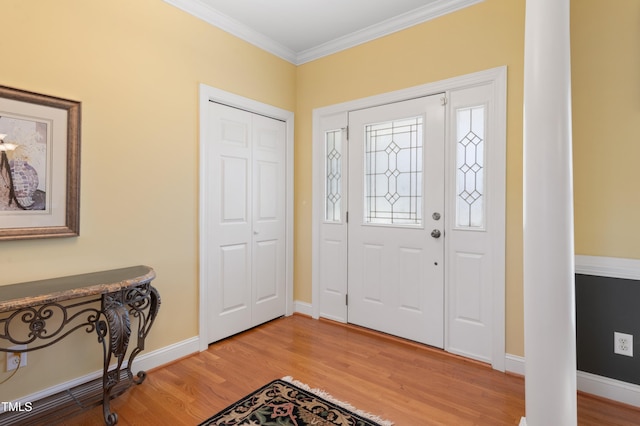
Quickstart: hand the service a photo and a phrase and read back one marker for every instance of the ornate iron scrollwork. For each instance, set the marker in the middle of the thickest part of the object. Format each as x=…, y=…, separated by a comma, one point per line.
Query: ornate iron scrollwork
x=144, y=303
x=109, y=316
x=140, y=302
x=45, y=325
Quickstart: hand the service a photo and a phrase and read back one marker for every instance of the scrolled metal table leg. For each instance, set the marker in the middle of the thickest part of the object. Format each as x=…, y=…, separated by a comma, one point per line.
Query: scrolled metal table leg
x=118, y=329
x=144, y=303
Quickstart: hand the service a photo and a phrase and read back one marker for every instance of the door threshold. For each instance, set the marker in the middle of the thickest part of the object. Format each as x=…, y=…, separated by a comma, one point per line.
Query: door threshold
x=408, y=342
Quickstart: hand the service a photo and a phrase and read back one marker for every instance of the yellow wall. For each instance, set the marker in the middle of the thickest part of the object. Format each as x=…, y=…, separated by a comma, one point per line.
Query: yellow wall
x=136, y=67
x=483, y=36
x=606, y=114
x=606, y=110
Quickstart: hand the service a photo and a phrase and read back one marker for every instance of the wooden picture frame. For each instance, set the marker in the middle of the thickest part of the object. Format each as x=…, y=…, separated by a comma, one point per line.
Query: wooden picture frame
x=40, y=165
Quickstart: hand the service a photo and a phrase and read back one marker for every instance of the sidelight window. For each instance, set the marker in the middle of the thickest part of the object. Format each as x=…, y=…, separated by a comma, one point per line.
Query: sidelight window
x=470, y=164
x=333, y=175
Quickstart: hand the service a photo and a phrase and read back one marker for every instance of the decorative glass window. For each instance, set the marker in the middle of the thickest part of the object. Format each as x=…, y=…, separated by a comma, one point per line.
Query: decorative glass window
x=393, y=172
x=470, y=137
x=333, y=175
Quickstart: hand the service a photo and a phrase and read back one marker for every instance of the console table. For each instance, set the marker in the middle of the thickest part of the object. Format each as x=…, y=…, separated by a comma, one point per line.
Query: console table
x=32, y=314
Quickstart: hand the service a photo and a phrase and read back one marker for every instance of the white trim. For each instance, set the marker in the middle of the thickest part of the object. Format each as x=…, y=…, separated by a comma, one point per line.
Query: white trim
x=144, y=362
x=604, y=387
x=167, y=354
x=207, y=94
x=496, y=75
x=381, y=29
x=476, y=78
x=317, y=207
x=590, y=383
x=523, y=422
x=498, y=215
x=514, y=364
x=303, y=308
x=203, y=11
x=608, y=267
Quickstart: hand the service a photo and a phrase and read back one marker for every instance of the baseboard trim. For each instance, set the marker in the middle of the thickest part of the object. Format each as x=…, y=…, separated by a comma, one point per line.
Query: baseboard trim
x=144, y=362
x=514, y=364
x=603, y=387
x=167, y=354
x=303, y=308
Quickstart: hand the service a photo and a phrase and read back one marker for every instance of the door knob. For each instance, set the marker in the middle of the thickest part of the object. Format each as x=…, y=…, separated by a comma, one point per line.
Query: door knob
x=435, y=233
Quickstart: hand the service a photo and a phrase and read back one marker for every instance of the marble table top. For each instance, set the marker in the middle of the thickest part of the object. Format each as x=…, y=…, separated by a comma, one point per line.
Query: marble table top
x=33, y=293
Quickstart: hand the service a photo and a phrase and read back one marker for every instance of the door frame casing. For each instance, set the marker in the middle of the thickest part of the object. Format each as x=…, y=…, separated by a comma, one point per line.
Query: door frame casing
x=211, y=94
x=498, y=78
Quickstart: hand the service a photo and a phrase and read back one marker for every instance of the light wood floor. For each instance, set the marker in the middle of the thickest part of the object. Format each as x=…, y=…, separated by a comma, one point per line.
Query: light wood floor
x=404, y=382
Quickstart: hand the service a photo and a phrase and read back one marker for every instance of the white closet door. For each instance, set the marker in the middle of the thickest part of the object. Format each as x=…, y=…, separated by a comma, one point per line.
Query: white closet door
x=245, y=206
x=268, y=298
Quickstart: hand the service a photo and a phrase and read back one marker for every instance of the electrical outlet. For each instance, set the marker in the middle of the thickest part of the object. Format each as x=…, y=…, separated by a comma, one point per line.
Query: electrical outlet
x=622, y=343
x=16, y=359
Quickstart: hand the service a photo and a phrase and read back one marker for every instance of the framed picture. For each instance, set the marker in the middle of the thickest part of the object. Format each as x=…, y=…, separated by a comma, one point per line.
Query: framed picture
x=39, y=165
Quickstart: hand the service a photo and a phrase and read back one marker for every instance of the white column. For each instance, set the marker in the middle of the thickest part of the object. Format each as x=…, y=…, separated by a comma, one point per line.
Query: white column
x=549, y=294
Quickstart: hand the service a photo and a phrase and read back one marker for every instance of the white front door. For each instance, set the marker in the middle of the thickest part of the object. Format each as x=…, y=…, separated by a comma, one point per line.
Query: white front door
x=396, y=219
x=379, y=267
x=245, y=221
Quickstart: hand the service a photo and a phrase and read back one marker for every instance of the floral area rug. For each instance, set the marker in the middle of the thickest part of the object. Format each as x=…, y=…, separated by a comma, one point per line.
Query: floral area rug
x=287, y=402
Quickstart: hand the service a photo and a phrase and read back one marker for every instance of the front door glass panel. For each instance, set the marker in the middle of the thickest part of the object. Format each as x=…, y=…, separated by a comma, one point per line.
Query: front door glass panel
x=393, y=172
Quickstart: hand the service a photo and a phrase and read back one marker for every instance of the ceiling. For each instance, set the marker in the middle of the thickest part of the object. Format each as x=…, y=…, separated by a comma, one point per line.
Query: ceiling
x=303, y=30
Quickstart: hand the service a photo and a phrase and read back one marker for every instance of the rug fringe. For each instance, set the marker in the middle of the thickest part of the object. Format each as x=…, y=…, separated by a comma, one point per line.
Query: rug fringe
x=330, y=398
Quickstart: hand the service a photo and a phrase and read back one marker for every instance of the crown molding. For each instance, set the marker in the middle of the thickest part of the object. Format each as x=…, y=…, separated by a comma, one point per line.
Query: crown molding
x=381, y=29
x=434, y=10
x=211, y=16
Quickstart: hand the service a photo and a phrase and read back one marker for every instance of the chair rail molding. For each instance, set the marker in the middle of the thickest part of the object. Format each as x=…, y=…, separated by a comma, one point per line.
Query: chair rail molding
x=611, y=267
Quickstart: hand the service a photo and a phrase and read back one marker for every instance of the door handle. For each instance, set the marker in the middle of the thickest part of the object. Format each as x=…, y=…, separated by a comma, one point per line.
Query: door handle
x=436, y=233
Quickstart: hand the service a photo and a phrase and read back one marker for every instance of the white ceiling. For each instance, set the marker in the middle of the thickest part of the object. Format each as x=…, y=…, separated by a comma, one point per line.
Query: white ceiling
x=303, y=30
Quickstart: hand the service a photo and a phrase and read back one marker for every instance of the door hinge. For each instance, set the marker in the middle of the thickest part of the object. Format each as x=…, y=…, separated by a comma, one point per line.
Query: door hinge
x=346, y=299
x=443, y=100
x=346, y=131
x=347, y=218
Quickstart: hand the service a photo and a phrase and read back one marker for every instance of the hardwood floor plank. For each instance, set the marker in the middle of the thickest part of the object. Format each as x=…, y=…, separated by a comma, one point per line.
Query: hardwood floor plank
x=402, y=381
